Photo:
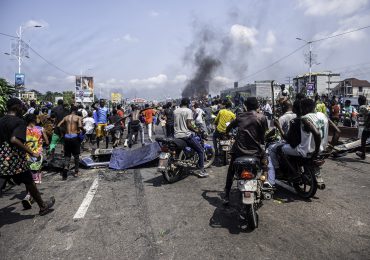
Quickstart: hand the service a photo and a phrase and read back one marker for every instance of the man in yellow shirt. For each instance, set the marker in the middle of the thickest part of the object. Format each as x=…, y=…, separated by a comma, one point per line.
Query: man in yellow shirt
x=223, y=119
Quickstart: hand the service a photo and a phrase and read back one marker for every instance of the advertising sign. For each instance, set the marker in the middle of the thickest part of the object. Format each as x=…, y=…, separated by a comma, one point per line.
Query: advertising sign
x=116, y=98
x=310, y=89
x=19, y=80
x=84, y=89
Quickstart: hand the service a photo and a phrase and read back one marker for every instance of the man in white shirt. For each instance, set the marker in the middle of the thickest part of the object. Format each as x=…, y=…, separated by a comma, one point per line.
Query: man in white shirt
x=183, y=125
x=314, y=133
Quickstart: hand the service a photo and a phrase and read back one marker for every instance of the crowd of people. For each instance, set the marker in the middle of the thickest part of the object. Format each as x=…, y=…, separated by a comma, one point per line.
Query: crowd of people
x=31, y=132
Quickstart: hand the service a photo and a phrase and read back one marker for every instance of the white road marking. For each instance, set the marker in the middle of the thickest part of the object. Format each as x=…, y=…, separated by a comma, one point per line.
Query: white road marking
x=87, y=200
x=286, y=186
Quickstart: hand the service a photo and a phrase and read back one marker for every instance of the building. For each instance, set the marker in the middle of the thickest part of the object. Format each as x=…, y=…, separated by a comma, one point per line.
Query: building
x=28, y=95
x=323, y=82
x=352, y=87
x=261, y=89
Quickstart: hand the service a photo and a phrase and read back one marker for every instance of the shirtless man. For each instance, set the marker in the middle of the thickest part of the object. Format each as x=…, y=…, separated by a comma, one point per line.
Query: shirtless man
x=73, y=125
x=135, y=126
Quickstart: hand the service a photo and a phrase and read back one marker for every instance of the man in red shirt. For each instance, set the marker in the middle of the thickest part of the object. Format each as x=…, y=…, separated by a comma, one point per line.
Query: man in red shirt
x=148, y=114
x=121, y=114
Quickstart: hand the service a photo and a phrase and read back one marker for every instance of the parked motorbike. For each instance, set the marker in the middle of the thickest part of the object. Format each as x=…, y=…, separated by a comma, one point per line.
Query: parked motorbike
x=248, y=173
x=303, y=174
x=176, y=157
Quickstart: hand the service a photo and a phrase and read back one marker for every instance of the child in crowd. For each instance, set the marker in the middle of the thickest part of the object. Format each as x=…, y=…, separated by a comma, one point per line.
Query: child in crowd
x=35, y=136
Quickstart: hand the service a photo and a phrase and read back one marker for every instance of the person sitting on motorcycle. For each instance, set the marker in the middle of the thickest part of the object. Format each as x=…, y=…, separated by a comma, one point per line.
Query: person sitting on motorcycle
x=252, y=127
x=224, y=117
x=348, y=112
x=314, y=135
x=290, y=131
x=183, y=125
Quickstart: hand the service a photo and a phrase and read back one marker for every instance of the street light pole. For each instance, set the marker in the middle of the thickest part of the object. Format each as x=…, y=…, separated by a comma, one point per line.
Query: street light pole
x=309, y=58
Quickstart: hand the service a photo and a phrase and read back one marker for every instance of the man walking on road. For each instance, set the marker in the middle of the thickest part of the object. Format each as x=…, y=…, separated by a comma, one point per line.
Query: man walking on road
x=168, y=113
x=72, y=141
x=102, y=122
x=148, y=114
x=57, y=113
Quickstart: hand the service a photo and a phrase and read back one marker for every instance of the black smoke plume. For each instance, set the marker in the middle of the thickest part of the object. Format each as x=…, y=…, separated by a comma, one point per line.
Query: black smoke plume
x=206, y=65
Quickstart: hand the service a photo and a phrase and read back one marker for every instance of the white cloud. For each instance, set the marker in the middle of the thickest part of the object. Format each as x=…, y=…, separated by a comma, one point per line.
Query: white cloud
x=152, y=81
x=127, y=38
x=70, y=79
x=112, y=81
x=270, y=42
x=153, y=13
x=331, y=7
x=180, y=78
x=267, y=50
x=345, y=25
x=222, y=80
x=270, y=39
x=51, y=78
x=33, y=23
x=244, y=35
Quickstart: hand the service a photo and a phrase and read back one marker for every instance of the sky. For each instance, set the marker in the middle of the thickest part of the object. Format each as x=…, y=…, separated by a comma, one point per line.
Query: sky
x=147, y=48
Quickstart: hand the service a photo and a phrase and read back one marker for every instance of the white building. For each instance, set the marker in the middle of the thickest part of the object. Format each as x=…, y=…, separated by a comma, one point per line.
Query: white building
x=261, y=89
x=324, y=82
x=352, y=87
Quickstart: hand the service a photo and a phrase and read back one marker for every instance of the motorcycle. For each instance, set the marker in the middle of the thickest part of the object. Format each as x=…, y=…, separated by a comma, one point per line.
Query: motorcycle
x=176, y=157
x=225, y=143
x=303, y=174
x=248, y=173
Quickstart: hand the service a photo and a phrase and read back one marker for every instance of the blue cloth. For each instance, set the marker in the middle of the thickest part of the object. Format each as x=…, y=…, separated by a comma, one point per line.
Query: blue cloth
x=124, y=159
x=102, y=115
x=70, y=136
x=95, y=116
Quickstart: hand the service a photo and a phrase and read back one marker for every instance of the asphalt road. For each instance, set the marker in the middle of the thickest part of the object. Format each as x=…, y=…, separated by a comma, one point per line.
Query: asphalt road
x=134, y=214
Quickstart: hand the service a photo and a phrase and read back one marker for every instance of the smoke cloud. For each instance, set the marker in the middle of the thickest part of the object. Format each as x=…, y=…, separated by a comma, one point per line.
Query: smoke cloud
x=213, y=52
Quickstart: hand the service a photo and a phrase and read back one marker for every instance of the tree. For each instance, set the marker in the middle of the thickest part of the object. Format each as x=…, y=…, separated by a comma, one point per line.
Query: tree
x=6, y=91
x=69, y=97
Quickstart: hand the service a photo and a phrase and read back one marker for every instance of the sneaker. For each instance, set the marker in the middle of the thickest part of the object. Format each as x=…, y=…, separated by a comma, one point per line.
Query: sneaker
x=26, y=202
x=48, y=207
x=202, y=174
x=361, y=155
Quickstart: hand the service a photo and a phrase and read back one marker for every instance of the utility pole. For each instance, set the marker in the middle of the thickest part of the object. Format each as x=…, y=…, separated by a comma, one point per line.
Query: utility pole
x=310, y=61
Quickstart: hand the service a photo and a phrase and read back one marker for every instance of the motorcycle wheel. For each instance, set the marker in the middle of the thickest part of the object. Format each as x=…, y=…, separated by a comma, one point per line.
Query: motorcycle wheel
x=209, y=157
x=307, y=186
x=172, y=174
x=251, y=217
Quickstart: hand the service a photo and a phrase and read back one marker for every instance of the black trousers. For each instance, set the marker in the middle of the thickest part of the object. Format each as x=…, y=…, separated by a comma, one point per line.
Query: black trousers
x=71, y=147
x=230, y=175
x=170, y=131
x=365, y=135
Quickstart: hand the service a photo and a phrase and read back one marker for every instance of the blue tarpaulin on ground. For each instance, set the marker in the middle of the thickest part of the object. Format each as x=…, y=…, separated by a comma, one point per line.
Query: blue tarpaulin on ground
x=128, y=158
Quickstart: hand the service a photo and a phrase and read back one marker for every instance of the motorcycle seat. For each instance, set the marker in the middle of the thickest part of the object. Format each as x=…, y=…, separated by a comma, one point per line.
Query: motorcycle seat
x=179, y=143
x=246, y=160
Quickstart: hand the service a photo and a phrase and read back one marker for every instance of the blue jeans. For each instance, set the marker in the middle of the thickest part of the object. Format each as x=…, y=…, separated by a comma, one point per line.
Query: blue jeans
x=197, y=146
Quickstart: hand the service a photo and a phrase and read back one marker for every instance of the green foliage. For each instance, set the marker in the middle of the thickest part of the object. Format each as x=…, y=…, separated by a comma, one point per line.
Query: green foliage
x=6, y=91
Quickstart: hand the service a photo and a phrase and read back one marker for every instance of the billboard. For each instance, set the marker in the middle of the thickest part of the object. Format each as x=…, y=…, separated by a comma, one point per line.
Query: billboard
x=310, y=89
x=116, y=98
x=84, y=89
x=19, y=79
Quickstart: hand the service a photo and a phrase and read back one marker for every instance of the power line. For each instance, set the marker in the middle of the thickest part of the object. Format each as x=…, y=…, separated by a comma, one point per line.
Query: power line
x=274, y=63
x=8, y=35
x=38, y=54
x=48, y=62
x=340, y=34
